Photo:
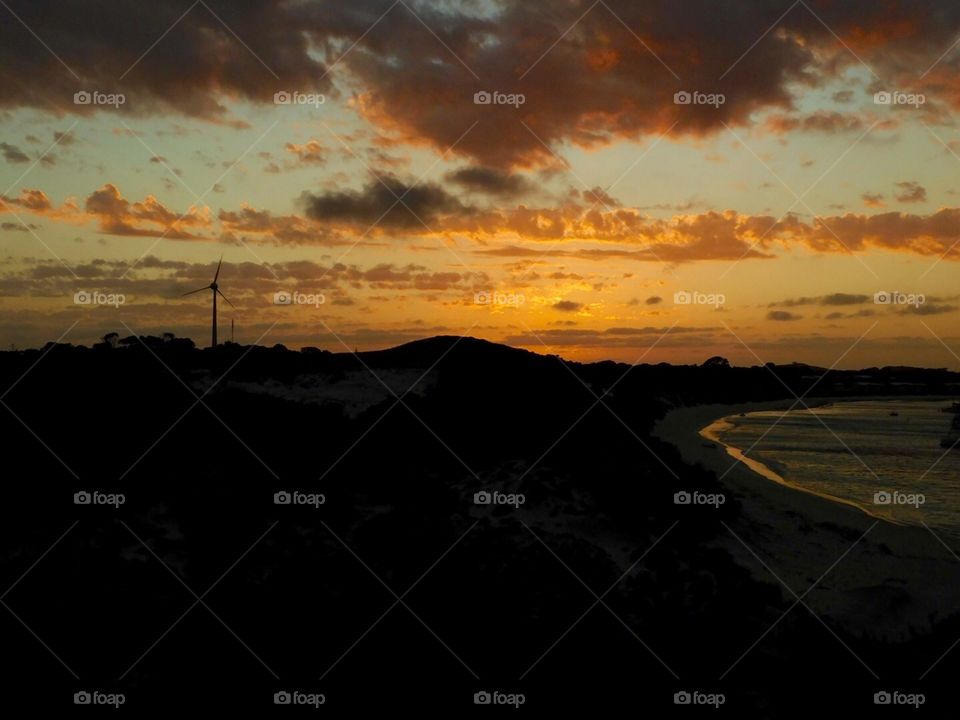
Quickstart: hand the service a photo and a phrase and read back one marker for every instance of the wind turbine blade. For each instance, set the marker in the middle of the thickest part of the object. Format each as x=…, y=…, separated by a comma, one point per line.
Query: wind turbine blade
x=225, y=298
x=217, y=274
x=195, y=291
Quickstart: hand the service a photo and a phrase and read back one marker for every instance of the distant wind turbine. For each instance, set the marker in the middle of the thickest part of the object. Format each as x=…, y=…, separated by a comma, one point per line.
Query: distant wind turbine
x=213, y=287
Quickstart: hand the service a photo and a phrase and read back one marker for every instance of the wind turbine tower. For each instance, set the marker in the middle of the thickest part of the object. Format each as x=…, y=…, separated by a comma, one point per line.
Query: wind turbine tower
x=215, y=289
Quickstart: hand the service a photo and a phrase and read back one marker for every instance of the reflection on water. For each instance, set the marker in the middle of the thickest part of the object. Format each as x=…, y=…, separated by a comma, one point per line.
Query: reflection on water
x=883, y=455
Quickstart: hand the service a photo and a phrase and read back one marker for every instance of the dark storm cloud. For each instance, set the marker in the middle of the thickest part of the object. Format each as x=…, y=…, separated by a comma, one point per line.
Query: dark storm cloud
x=818, y=122
x=844, y=299
x=16, y=227
x=865, y=313
x=930, y=309
x=103, y=46
x=911, y=192
x=782, y=316
x=13, y=154
x=834, y=299
x=388, y=202
x=591, y=73
x=491, y=182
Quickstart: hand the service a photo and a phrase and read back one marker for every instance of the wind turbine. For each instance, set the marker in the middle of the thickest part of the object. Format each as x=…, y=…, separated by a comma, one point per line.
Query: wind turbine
x=213, y=287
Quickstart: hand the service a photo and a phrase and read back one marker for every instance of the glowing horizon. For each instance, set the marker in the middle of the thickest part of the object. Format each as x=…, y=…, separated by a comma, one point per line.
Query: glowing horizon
x=603, y=184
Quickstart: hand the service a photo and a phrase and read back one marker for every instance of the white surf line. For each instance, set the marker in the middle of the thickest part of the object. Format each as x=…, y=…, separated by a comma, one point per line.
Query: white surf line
x=712, y=433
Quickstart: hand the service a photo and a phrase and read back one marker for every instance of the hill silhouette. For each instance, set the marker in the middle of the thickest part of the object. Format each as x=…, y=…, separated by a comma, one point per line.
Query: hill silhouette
x=399, y=442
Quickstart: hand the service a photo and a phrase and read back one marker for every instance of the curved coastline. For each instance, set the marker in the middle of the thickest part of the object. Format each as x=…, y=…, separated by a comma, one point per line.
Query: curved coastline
x=902, y=569
x=713, y=432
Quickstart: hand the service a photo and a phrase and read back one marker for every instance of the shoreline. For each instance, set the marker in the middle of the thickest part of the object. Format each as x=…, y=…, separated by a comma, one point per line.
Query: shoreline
x=902, y=572
x=712, y=433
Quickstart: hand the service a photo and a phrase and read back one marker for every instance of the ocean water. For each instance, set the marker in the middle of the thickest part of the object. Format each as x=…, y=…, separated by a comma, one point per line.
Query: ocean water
x=891, y=465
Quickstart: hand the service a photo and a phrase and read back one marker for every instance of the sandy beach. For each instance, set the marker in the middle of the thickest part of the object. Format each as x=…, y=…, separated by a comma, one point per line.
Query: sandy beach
x=904, y=575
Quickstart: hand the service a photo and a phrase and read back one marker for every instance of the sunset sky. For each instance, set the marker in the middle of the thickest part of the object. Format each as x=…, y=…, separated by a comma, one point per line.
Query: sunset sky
x=587, y=210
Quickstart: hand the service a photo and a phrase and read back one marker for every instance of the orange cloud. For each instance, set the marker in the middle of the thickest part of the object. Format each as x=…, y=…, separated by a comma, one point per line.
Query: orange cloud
x=344, y=217
x=146, y=218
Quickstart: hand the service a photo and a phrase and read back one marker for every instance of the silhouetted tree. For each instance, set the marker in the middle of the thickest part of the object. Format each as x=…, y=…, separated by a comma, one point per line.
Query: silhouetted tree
x=717, y=361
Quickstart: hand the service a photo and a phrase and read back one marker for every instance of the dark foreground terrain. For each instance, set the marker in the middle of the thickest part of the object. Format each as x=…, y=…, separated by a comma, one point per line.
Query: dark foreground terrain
x=582, y=585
